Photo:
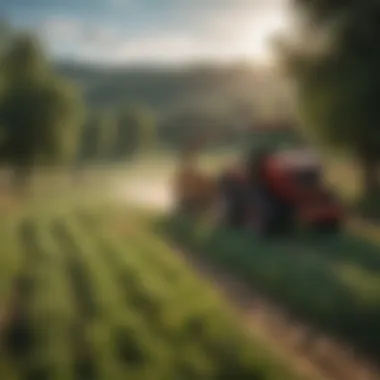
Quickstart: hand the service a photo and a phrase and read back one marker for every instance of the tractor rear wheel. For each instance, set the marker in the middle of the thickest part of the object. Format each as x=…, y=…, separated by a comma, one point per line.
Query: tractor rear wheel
x=265, y=220
x=236, y=217
x=330, y=227
x=283, y=219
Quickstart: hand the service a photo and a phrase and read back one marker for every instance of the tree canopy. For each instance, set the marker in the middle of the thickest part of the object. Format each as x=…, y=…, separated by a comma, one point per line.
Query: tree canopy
x=40, y=113
x=337, y=77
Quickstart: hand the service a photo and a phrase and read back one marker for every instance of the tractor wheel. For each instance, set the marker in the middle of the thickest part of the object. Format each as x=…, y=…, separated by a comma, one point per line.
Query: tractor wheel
x=330, y=227
x=286, y=223
x=221, y=211
x=263, y=226
x=236, y=218
x=282, y=219
x=263, y=222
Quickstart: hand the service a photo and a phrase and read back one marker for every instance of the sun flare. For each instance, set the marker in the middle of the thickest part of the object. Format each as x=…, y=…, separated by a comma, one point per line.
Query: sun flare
x=256, y=35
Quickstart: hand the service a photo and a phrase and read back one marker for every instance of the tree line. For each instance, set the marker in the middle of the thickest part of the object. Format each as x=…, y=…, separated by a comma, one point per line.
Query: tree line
x=48, y=117
x=44, y=120
x=333, y=63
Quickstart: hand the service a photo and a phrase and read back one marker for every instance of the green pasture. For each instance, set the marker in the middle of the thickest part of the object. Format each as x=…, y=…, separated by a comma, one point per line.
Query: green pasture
x=91, y=293
x=103, y=297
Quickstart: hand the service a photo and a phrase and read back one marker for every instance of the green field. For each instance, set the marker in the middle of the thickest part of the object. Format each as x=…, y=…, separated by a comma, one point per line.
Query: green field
x=93, y=294
x=332, y=283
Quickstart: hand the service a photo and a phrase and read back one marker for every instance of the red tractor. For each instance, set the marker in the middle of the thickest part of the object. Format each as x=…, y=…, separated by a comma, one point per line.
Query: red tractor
x=279, y=192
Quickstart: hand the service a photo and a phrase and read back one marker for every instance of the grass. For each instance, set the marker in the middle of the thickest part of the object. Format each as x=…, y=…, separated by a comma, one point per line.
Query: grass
x=101, y=297
x=334, y=284
x=93, y=293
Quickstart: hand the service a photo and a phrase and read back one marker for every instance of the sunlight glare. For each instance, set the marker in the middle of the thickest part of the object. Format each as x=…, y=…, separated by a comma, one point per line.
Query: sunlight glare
x=256, y=35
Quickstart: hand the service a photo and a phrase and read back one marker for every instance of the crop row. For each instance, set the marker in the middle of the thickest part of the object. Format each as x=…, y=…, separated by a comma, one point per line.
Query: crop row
x=322, y=282
x=186, y=313
x=85, y=302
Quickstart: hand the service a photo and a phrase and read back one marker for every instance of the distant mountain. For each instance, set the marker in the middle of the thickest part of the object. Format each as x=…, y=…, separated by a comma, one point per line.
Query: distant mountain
x=236, y=88
x=220, y=103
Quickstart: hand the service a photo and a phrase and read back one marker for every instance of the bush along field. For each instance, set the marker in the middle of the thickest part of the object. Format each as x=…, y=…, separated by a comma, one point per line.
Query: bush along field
x=334, y=285
x=85, y=295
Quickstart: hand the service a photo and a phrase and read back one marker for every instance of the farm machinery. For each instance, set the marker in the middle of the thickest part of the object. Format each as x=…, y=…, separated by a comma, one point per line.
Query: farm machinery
x=279, y=192
x=270, y=192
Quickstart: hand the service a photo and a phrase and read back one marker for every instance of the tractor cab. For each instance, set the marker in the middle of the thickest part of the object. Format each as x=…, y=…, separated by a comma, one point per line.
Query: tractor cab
x=277, y=190
x=294, y=178
x=304, y=164
x=291, y=185
x=292, y=174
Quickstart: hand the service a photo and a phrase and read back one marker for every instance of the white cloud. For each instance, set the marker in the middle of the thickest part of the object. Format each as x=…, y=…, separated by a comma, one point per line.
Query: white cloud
x=160, y=48
x=227, y=34
x=65, y=36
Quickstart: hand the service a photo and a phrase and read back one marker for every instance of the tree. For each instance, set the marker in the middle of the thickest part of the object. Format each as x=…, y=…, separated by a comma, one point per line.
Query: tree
x=40, y=113
x=107, y=132
x=337, y=78
x=89, y=140
x=136, y=131
x=204, y=122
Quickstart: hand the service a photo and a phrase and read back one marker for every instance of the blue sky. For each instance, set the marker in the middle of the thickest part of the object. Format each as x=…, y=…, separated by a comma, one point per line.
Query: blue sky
x=123, y=31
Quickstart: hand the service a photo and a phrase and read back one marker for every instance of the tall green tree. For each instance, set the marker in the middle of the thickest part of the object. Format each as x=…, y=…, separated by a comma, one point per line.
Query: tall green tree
x=107, y=132
x=337, y=77
x=89, y=140
x=41, y=114
x=136, y=130
x=99, y=136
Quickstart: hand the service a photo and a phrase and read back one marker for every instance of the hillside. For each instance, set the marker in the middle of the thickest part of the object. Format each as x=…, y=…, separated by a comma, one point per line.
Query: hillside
x=235, y=89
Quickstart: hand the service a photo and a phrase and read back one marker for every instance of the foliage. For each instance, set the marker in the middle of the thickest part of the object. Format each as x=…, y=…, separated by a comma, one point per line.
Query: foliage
x=114, y=134
x=136, y=130
x=40, y=113
x=106, y=126
x=337, y=77
x=89, y=140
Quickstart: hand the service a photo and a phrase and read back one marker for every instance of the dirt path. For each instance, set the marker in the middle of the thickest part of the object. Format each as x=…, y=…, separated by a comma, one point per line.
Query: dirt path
x=312, y=355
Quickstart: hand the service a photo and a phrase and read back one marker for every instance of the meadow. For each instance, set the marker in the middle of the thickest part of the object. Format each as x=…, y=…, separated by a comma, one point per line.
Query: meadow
x=88, y=292
x=92, y=291
x=93, y=288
